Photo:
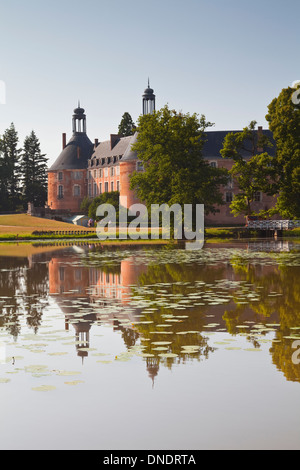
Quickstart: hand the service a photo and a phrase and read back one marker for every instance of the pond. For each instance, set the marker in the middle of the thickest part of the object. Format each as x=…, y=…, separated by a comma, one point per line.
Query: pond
x=150, y=347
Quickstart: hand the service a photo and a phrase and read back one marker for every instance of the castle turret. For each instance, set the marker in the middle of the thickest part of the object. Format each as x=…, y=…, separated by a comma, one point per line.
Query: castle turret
x=67, y=177
x=130, y=161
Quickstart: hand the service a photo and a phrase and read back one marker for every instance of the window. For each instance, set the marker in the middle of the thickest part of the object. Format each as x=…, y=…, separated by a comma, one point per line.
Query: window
x=118, y=186
x=257, y=196
x=60, y=175
x=112, y=171
x=89, y=175
x=229, y=197
x=139, y=166
x=95, y=173
x=60, y=191
x=76, y=190
x=61, y=273
x=213, y=164
x=100, y=173
x=77, y=274
x=106, y=187
x=229, y=185
x=105, y=171
x=117, y=170
x=76, y=175
x=95, y=189
x=100, y=188
x=90, y=189
x=112, y=186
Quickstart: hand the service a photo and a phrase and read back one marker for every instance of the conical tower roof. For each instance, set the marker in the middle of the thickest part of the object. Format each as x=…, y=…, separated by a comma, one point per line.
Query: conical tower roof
x=78, y=150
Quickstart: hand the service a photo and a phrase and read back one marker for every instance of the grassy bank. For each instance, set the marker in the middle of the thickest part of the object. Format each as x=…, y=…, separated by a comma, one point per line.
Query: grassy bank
x=22, y=227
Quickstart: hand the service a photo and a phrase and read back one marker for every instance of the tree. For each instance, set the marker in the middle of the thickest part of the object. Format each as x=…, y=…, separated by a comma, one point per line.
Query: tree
x=9, y=169
x=34, y=171
x=104, y=198
x=253, y=169
x=169, y=144
x=85, y=204
x=126, y=126
x=284, y=122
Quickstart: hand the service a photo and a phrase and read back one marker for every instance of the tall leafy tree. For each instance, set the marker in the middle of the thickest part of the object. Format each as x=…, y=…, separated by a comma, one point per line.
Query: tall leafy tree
x=253, y=168
x=126, y=126
x=9, y=169
x=169, y=144
x=284, y=121
x=34, y=171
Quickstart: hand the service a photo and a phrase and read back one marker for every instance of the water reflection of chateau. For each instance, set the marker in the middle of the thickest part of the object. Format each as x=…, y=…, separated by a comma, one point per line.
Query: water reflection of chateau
x=111, y=285
x=99, y=290
x=91, y=290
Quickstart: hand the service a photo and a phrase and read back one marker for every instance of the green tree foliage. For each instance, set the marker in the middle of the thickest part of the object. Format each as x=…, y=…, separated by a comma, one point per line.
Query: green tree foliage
x=126, y=126
x=284, y=121
x=85, y=204
x=34, y=171
x=23, y=172
x=9, y=169
x=253, y=169
x=104, y=198
x=169, y=145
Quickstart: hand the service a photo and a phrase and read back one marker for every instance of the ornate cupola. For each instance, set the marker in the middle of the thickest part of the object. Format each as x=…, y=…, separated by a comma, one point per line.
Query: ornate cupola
x=76, y=153
x=79, y=120
x=148, y=100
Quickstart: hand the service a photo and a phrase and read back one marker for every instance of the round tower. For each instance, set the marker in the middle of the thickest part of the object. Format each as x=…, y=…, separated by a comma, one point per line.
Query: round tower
x=67, y=177
x=130, y=161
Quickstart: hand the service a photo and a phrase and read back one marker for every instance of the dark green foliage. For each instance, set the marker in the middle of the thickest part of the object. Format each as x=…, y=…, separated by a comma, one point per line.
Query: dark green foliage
x=84, y=206
x=126, y=126
x=284, y=121
x=253, y=169
x=34, y=172
x=170, y=147
x=23, y=172
x=9, y=170
x=104, y=198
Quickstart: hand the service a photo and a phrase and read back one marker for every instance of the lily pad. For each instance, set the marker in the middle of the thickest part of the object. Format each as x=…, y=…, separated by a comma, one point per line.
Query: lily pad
x=44, y=388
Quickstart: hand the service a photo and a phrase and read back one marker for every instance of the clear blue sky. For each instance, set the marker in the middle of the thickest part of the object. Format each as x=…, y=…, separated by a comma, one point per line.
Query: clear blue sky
x=226, y=59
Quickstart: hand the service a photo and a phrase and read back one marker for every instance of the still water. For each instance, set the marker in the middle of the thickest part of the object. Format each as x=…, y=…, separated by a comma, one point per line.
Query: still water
x=150, y=348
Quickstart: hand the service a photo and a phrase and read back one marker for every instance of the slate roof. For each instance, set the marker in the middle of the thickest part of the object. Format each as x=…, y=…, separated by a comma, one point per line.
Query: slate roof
x=215, y=140
x=129, y=154
x=75, y=155
x=121, y=149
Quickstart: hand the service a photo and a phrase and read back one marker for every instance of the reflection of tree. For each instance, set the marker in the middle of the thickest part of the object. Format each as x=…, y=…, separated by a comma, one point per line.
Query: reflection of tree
x=182, y=332
x=129, y=336
x=282, y=352
x=278, y=287
x=280, y=296
x=23, y=291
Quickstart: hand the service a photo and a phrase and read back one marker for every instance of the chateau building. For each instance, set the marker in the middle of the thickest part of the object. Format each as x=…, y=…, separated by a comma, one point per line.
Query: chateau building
x=86, y=168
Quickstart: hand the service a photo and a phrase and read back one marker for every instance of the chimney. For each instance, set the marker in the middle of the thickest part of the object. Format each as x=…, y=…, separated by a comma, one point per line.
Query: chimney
x=113, y=140
x=259, y=137
x=96, y=143
x=64, y=140
x=78, y=153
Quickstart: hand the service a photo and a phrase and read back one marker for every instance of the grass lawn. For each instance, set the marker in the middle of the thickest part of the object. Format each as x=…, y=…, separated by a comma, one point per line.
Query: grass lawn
x=23, y=224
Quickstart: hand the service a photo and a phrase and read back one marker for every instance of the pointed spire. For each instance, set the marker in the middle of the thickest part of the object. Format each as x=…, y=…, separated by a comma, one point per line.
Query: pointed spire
x=148, y=83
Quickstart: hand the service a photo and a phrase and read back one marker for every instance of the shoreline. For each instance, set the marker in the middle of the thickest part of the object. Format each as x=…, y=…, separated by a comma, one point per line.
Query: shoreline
x=211, y=234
